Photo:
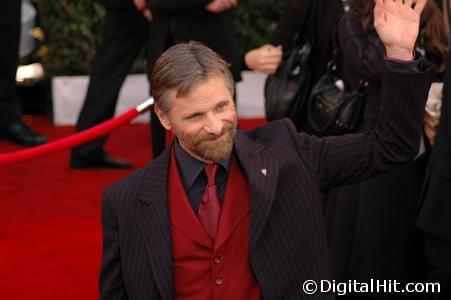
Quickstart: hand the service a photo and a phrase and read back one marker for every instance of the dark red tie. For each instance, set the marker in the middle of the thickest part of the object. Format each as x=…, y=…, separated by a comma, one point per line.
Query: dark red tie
x=210, y=208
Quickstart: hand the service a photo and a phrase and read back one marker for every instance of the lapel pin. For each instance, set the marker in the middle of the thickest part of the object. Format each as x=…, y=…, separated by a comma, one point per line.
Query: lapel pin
x=264, y=171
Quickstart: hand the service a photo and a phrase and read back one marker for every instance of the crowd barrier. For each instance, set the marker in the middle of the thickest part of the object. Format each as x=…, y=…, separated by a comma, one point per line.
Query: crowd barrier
x=77, y=138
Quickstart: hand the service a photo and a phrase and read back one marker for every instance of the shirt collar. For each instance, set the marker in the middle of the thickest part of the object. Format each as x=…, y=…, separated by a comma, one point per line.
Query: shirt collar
x=190, y=167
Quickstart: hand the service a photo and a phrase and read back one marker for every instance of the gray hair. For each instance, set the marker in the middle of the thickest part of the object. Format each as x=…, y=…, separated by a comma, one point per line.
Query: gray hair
x=183, y=66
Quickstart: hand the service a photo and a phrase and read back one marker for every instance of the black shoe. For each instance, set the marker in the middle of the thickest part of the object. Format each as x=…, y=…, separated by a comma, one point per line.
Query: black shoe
x=103, y=161
x=19, y=133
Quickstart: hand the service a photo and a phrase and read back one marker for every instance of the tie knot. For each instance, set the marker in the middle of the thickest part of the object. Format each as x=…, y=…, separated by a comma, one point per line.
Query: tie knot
x=210, y=171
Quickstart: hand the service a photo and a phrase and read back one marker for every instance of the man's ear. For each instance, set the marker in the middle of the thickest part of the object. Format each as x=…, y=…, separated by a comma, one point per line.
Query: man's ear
x=163, y=117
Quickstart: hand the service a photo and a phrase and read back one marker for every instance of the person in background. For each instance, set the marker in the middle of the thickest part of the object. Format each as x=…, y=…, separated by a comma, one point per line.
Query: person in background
x=267, y=58
x=313, y=18
x=207, y=21
x=12, y=127
x=125, y=35
x=371, y=225
x=434, y=218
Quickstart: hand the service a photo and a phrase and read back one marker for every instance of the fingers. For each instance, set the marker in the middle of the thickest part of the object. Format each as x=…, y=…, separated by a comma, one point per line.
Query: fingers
x=147, y=14
x=271, y=60
x=214, y=7
x=265, y=59
x=419, y=6
x=380, y=15
x=378, y=11
x=267, y=68
x=430, y=133
x=271, y=54
x=219, y=6
x=408, y=3
x=231, y=3
x=140, y=4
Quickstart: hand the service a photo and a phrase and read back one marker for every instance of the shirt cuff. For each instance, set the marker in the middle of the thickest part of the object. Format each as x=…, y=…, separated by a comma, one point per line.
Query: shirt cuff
x=414, y=65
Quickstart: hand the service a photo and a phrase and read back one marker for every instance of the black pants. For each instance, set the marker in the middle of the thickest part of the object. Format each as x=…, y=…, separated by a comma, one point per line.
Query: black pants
x=9, y=55
x=158, y=135
x=438, y=253
x=125, y=35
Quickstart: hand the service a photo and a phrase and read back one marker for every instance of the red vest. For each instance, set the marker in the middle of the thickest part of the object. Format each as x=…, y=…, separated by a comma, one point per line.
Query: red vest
x=212, y=270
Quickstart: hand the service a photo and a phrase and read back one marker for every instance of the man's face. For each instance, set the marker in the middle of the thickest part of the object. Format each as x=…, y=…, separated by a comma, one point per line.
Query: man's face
x=204, y=120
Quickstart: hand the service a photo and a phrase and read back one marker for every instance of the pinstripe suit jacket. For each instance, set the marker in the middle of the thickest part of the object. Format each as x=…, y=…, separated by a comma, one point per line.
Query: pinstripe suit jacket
x=287, y=234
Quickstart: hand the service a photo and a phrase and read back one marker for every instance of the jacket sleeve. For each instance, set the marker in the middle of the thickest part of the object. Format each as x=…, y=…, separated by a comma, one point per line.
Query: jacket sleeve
x=110, y=283
x=290, y=22
x=362, y=53
x=351, y=158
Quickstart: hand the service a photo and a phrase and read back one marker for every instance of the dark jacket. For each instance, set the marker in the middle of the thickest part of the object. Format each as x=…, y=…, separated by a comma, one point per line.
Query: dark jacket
x=294, y=19
x=177, y=21
x=371, y=225
x=287, y=234
x=362, y=57
x=435, y=214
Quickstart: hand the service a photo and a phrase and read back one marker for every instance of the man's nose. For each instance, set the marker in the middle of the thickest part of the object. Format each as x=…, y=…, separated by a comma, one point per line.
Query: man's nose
x=214, y=125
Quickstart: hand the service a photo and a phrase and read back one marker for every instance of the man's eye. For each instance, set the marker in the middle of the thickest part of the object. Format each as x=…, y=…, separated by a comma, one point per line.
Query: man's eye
x=221, y=105
x=194, y=116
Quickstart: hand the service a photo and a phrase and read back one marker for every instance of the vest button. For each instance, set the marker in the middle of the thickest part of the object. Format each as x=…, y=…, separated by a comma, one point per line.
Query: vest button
x=219, y=281
x=217, y=259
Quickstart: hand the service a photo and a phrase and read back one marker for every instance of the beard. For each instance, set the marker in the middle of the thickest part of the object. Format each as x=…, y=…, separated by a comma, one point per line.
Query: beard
x=208, y=146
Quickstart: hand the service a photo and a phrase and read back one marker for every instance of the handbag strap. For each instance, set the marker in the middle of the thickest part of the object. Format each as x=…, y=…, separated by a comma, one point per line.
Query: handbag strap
x=332, y=65
x=308, y=24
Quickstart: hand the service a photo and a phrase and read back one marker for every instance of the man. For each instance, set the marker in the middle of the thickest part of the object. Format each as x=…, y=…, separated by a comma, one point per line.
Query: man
x=125, y=35
x=224, y=214
x=434, y=218
x=207, y=21
x=12, y=127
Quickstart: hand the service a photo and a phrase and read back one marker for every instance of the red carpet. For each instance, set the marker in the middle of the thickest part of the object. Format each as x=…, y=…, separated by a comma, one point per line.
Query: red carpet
x=50, y=234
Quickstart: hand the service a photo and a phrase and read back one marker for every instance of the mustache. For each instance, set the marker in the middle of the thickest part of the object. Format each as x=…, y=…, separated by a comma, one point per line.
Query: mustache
x=205, y=136
x=212, y=137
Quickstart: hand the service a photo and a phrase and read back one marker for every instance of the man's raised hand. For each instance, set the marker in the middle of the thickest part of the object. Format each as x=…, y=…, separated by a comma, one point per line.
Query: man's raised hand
x=397, y=23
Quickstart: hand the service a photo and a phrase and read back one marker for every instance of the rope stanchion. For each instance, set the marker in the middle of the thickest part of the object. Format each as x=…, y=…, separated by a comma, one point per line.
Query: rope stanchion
x=76, y=139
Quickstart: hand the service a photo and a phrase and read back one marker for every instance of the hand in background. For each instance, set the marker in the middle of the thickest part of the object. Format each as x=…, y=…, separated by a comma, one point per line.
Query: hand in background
x=141, y=5
x=219, y=6
x=430, y=132
x=430, y=127
x=265, y=59
x=397, y=24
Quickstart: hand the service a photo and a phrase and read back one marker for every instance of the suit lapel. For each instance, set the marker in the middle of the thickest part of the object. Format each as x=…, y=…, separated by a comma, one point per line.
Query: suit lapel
x=182, y=215
x=234, y=209
x=154, y=224
x=262, y=172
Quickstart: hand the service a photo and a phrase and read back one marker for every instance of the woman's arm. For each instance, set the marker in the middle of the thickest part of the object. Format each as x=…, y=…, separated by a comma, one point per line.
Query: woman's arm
x=362, y=53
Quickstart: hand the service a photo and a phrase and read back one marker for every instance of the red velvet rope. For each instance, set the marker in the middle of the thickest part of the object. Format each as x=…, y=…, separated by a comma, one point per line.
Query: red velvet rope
x=73, y=140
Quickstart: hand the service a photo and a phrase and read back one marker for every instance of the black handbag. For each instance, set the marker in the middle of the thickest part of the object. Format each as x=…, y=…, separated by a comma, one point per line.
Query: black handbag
x=287, y=91
x=332, y=109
